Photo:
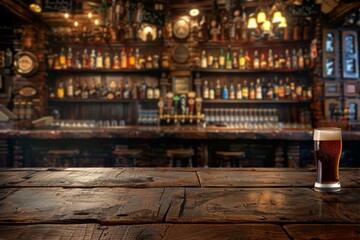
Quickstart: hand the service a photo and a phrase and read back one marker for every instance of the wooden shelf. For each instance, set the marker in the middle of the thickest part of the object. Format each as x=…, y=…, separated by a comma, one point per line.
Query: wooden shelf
x=102, y=44
x=252, y=71
x=74, y=100
x=102, y=71
x=280, y=101
x=254, y=44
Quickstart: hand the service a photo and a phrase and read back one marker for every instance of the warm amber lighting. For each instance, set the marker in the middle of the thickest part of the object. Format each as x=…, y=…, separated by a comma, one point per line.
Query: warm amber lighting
x=261, y=17
x=266, y=26
x=66, y=15
x=277, y=18
x=96, y=22
x=89, y=15
x=36, y=6
x=76, y=23
x=194, y=12
x=252, y=23
x=283, y=23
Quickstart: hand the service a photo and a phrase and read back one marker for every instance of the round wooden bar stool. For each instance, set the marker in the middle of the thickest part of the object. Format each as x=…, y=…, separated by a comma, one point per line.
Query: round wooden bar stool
x=130, y=154
x=174, y=154
x=232, y=158
x=63, y=157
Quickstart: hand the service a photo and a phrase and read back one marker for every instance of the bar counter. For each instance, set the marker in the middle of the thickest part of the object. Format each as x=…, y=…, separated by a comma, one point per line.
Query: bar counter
x=177, y=203
x=144, y=132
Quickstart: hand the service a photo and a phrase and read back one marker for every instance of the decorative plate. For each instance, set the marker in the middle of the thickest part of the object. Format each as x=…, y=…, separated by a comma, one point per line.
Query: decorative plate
x=181, y=29
x=25, y=63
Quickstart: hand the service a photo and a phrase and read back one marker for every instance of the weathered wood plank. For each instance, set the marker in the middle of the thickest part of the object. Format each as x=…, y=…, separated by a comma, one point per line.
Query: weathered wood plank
x=8, y=178
x=145, y=231
x=207, y=205
x=224, y=178
x=85, y=205
x=346, y=201
x=52, y=232
x=109, y=177
x=323, y=231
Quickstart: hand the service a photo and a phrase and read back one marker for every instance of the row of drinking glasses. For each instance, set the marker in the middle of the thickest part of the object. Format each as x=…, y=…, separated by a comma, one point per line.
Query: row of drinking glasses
x=87, y=123
x=232, y=115
x=148, y=117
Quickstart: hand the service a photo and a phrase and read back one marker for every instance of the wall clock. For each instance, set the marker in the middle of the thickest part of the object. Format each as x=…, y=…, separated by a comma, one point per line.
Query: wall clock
x=181, y=29
x=25, y=63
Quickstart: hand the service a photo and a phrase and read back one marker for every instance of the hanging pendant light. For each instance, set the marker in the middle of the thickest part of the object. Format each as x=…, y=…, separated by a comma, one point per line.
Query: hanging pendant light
x=252, y=23
x=277, y=17
x=261, y=17
x=36, y=6
x=283, y=23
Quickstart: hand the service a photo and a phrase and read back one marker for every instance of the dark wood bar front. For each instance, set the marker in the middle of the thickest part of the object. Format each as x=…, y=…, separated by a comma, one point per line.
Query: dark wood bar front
x=139, y=203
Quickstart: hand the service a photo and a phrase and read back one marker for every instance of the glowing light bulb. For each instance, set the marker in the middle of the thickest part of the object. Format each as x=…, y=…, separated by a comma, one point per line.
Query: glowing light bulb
x=96, y=22
x=76, y=24
x=66, y=15
x=89, y=15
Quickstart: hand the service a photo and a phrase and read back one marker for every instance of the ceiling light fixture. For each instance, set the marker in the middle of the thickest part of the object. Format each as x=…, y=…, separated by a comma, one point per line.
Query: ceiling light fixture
x=36, y=6
x=194, y=12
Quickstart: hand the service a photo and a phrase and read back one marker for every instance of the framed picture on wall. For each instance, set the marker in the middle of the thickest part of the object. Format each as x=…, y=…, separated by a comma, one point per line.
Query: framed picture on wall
x=351, y=88
x=330, y=48
x=332, y=109
x=181, y=84
x=350, y=54
x=352, y=106
x=332, y=89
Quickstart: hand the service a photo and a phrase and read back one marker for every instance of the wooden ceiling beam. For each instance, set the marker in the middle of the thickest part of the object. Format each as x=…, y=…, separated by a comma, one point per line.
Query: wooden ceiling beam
x=338, y=14
x=17, y=10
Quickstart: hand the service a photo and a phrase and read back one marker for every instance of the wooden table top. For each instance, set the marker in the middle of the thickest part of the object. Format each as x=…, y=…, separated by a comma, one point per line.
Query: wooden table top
x=176, y=203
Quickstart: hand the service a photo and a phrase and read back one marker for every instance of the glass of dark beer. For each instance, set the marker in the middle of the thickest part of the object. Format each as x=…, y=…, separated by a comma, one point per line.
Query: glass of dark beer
x=327, y=148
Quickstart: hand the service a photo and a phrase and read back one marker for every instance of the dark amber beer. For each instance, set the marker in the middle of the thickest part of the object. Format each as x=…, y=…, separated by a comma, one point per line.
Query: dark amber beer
x=327, y=148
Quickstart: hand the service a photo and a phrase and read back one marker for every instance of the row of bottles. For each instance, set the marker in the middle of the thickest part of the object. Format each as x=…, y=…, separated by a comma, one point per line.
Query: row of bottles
x=91, y=89
x=87, y=59
x=296, y=59
x=262, y=89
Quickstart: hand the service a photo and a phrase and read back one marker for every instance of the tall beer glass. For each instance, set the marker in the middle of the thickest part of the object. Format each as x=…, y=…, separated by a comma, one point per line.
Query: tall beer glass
x=327, y=148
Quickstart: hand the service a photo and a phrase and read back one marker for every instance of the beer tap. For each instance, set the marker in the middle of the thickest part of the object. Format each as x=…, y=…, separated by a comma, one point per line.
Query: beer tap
x=169, y=102
x=183, y=107
x=198, y=105
x=191, y=103
x=176, y=100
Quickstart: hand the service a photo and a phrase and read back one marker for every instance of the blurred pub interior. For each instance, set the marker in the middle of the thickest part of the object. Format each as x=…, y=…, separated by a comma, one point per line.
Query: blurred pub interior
x=228, y=82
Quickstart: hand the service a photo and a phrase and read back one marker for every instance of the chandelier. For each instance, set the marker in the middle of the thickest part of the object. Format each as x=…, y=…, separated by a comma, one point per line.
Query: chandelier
x=268, y=22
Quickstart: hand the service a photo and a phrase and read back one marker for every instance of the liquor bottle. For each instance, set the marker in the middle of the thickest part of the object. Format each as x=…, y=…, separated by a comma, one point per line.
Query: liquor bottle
x=235, y=60
x=299, y=90
x=287, y=59
x=221, y=59
x=85, y=91
x=70, y=89
x=69, y=58
x=256, y=63
x=244, y=32
x=225, y=92
x=123, y=58
x=137, y=59
x=148, y=63
x=211, y=91
x=60, y=92
x=270, y=59
x=156, y=92
x=92, y=90
x=127, y=91
x=300, y=59
x=85, y=59
x=263, y=62
x=107, y=61
x=276, y=88
x=241, y=59
x=215, y=64
x=258, y=89
x=218, y=89
x=92, y=62
x=270, y=91
x=276, y=61
x=245, y=90
x=296, y=31
x=281, y=89
x=116, y=61
x=50, y=59
x=149, y=93
x=78, y=62
x=252, y=92
x=263, y=87
x=203, y=59
x=247, y=60
x=294, y=59
x=119, y=92
x=210, y=60
x=57, y=62
x=131, y=58
x=228, y=61
x=99, y=60
x=287, y=88
x=307, y=59
x=238, y=91
x=293, y=90
x=77, y=90
x=231, y=90
x=62, y=59
x=282, y=61
x=205, y=94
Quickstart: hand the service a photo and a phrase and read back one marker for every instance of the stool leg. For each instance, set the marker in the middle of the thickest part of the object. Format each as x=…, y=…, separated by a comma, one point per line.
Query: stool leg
x=190, y=162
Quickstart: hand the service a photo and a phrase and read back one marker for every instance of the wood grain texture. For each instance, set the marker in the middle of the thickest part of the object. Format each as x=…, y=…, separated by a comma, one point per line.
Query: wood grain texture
x=214, y=205
x=323, y=231
x=106, y=177
x=89, y=205
x=144, y=231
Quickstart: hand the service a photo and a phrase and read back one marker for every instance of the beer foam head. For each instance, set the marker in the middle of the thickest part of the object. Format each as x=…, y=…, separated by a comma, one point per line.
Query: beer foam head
x=327, y=134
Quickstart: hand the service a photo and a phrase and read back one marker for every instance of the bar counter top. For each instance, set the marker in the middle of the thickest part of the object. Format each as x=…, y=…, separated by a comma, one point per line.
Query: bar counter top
x=147, y=132
x=175, y=203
